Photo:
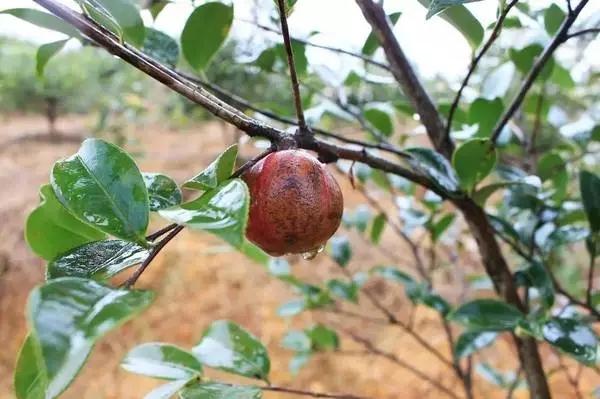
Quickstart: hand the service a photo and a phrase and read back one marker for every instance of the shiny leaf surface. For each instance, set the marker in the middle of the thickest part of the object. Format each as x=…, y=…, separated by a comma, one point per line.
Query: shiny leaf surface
x=222, y=211
x=470, y=342
x=216, y=173
x=161, y=47
x=127, y=16
x=437, y=168
x=51, y=230
x=97, y=260
x=589, y=185
x=227, y=346
x=163, y=192
x=216, y=390
x=66, y=317
x=163, y=361
x=572, y=337
x=102, y=185
x=487, y=315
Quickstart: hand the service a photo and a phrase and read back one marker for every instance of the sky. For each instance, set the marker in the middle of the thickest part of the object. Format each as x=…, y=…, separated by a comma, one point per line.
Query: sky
x=434, y=46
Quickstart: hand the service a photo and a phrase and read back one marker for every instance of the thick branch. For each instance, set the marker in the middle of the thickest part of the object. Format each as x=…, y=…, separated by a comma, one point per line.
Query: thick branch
x=560, y=37
x=475, y=63
x=406, y=77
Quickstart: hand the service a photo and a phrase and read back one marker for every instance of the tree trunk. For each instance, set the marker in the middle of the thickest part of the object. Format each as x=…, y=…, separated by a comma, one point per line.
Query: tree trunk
x=497, y=268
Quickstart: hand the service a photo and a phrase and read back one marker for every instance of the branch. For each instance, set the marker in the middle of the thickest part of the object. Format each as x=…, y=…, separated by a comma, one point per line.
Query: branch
x=583, y=32
x=404, y=73
x=372, y=349
x=292, y=66
x=300, y=392
x=590, y=287
x=495, y=34
x=245, y=104
x=560, y=37
x=324, y=47
x=217, y=107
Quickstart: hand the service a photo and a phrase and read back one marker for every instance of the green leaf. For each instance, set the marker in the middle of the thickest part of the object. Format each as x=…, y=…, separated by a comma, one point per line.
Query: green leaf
x=45, y=52
x=288, y=6
x=166, y=391
x=392, y=274
x=216, y=173
x=487, y=315
x=462, y=19
x=420, y=293
x=222, y=211
x=525, y=58
x=538, y=277
x=297, y=341
x=553, y=18
x=163, y=192
x=98, y=260
x=323, y=338
x=163, y=361
x=43, y=20
x=205, y=32
x=589, y=185
x=438, y=6
x=66, y=317
x=473, y=161
x=372, y=43
x=161, y=47
x=103, y=186
x=227, y=346
x=470, y=342
x=292, y=308
x=216, y=390
x=573, y=337
x=562, y=77
x=438, y=228
x=437, y=168
x=341, y=252
x=377, y=228
x=552, y=167
x=51, y=230
x=497, y=82
x=381, y=120
x=485, y=113
x=347, y=291
x=127, y=16
x=481, y=195
x=100, y=14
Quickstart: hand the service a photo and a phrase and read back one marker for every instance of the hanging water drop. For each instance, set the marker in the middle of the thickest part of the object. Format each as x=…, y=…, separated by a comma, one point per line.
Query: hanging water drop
x=310, y=255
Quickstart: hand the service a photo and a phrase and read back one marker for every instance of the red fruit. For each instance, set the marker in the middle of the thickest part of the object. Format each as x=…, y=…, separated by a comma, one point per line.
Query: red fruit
x=295, y=203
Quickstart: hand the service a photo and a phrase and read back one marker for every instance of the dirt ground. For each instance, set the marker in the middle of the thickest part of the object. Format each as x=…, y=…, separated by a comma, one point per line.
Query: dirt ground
x=198, y=280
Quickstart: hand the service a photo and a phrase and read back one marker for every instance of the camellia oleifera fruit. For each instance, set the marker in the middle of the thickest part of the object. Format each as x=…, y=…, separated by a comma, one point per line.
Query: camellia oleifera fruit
x=295, y=203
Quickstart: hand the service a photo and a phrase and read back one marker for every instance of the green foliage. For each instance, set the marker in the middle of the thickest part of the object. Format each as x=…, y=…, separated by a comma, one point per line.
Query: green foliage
x=102, y=185
x=216, y=173
x=226, y=346
x=470, y=342
x=124, y=13
x=63, y=331
x=163, y=192
x=51, y=230
x=487, y=315
x=573, y=337
x=473, y=161
x=163, y=361
x=461, y=19
x=204, y=33
x=589, y=184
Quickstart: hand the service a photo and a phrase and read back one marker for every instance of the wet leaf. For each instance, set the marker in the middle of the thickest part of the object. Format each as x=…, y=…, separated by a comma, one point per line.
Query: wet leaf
x=161, y=47
x=573, y=337
x=163, y=361
x=216, y=173
x=103, y=186
x=216, y=390
x=487, y=315
x=473, y=161
x=470, y=342
x=163, y=192
x=228, y=347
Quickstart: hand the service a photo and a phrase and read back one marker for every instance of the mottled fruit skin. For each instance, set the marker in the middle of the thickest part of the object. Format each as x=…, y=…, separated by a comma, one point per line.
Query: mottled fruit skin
x=295, y=203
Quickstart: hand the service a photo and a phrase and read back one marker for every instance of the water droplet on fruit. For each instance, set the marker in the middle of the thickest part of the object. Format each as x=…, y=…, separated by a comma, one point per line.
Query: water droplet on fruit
x=310, y=255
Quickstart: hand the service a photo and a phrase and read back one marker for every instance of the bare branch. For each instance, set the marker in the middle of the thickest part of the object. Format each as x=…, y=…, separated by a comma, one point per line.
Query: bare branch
x=324, y=47
x=488, y=44
x=292, y=67
x=300, y=392
x=560, y=37
x=583, y=32
x=368, y=345
x=406, y=77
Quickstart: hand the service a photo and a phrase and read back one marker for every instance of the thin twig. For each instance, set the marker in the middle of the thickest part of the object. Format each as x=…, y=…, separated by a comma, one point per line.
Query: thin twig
x=395, y=359
x=488, y=44
x=560, y=37
x=300, y=392
x=590, y=286
x=242, y=169
x=161, y=232
x=572, y=381
x=513, y=386
x=583, y=32
x=155, y=251
x=321, y=46
x=292, y=66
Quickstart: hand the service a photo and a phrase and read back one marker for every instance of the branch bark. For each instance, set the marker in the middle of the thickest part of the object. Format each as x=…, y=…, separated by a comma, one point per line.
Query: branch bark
x=404, y=73
x=561, y=36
